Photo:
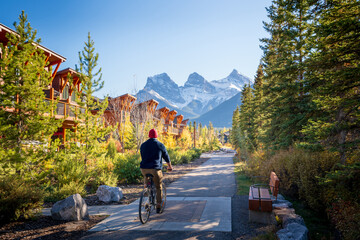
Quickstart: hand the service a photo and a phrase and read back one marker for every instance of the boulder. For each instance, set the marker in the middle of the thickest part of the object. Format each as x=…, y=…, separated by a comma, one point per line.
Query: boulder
x=109, y=194
x=292, y=218
x=293, y=231
x=288, y=216
x=72, y=208
x=282, y=204
x=280, y=197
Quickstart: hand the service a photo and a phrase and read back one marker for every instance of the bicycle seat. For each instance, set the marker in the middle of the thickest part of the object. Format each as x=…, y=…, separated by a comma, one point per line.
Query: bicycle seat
x=149, y=175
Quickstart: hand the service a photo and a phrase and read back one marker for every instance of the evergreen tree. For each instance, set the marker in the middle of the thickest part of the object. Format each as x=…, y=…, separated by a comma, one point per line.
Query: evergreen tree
x=90, y=129
x=25, y=123
x=284, y=55
x=258, y=104
x=235, y=131
x=247, y=117
x=334, y=77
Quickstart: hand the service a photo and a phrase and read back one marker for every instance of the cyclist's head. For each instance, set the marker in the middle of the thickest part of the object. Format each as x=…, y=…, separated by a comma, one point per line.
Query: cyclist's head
x=153, y=133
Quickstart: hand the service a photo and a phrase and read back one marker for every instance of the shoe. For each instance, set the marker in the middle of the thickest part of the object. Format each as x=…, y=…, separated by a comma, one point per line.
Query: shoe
x=158, y=210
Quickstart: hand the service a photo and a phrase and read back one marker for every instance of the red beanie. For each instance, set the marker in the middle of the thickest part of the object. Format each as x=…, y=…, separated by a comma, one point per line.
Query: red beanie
x=153, y=133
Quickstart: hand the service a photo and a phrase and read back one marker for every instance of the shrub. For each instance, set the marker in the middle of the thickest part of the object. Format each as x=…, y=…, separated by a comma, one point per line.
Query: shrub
x=178, y=156
x=63, y=191
x=174, y=155
x=101, y=172
x=345, y=215
x=69, y=176
x=111, y=149
x=299, y=172
x=18, y=198
x=127, y=168
x=341, y=193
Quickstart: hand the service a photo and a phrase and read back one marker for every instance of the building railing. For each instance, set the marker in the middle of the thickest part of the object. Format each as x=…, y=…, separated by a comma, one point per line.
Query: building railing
x=172, y=129
x=65, y=110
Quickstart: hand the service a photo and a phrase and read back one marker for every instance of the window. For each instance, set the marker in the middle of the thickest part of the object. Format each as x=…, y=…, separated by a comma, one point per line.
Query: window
x=73, y=96
x=65, y=93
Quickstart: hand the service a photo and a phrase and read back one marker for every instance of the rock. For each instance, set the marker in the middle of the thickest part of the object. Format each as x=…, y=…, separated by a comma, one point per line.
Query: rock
x=282, y=204
x=280, y=197
x=109, y=194
x=288, y=216
x=293, y=231
x=72, y=208
x=293, y=218
x=282, y=212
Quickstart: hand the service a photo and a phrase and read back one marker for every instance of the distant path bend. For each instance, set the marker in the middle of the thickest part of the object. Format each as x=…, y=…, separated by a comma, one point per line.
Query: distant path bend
x=214, y=178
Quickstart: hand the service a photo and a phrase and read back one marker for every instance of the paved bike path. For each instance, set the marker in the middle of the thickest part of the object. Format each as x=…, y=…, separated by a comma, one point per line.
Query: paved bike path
x=214, y=178
x=199, y=201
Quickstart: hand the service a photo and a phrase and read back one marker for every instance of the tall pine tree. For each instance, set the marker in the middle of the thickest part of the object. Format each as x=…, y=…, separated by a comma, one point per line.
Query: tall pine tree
x=334, y=77
x=246, y=118
x=90, y=129
x=26, y=124
x=284, y=55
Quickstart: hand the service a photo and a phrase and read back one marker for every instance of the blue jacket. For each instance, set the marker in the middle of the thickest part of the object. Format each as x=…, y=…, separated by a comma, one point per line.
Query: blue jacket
x=152, y=152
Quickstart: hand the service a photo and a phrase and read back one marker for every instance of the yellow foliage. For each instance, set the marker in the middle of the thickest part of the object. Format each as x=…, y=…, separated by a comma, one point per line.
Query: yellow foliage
x=169, y=141
x=185, y=140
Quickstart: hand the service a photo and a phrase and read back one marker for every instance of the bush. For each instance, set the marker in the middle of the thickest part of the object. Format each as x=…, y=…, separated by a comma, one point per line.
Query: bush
x=345, y=215
x=18, y=198
x=111, y=149
x=178, y=156
x=63, y=191
x=127, y=168
x=69, y=176
x=174, y=155
x=342, y=196
x=299, y=172
x=101, y=172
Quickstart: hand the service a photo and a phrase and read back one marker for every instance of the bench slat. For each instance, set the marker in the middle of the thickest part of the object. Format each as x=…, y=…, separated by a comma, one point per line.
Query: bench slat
x=254, y=204
x=264, y=193
x=255, y=192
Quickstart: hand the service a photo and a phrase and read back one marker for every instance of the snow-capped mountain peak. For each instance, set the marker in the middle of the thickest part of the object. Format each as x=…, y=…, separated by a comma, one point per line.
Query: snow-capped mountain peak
x=160, y=79
x=197, y=96
x=199, y=82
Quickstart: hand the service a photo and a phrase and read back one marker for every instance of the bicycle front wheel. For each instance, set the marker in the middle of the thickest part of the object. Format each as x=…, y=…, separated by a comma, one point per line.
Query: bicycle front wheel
x=144, y=206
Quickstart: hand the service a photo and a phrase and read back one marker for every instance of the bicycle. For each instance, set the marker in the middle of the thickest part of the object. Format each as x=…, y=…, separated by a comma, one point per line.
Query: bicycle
x=148, y=199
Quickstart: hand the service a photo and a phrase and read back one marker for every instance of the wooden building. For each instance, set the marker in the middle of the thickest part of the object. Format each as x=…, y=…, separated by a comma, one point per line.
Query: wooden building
x=60, y=88
x=119, y=109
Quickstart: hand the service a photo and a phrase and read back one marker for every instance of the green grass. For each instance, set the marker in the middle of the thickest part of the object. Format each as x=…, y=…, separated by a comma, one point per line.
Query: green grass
x=243, y=182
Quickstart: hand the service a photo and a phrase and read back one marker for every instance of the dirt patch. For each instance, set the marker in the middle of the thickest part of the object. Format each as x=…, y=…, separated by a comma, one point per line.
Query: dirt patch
x=46, y=228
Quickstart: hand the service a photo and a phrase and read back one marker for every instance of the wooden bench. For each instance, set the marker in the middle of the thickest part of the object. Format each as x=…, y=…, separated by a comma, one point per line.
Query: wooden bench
x=259, y=194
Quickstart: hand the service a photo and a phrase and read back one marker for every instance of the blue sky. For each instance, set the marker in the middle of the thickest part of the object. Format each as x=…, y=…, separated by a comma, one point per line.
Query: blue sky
x=140, y=38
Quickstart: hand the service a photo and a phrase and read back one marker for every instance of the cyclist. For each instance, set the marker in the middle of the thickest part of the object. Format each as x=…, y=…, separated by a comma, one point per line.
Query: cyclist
x=152, y=152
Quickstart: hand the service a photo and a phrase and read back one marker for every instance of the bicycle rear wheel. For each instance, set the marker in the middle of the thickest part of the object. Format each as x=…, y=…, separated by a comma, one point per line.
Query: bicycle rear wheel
x=163, y=199
x=145, y=206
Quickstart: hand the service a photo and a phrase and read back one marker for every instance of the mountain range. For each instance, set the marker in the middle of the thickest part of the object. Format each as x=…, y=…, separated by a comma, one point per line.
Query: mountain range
x=199, y=99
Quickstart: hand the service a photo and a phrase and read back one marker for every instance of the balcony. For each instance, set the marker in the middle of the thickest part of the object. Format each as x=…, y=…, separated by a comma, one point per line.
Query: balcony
x=66, y=110
x=169, y=128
